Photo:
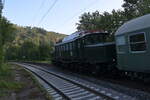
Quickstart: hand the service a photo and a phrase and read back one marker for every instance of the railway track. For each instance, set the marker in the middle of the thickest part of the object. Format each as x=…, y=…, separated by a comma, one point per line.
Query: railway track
x=65, y=88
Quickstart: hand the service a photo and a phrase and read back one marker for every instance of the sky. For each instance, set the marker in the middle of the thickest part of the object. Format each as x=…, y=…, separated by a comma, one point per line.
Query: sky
x=62, y=15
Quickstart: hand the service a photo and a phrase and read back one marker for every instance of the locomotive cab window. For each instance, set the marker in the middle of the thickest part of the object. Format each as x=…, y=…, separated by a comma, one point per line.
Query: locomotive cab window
x=137, y=42
x=95, y=39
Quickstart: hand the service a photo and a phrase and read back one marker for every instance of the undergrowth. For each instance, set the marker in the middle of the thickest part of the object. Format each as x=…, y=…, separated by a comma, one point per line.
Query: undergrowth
x=7, y=82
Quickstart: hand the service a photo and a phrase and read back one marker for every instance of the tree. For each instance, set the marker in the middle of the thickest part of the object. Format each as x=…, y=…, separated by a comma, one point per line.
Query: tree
x=6, y=36
x=85, y=22
x=110, y=22
x=28, y=51
x=135, y=8
x=130, y=7
x=107, y=21
x=32, y=44
x=12, y=52
x=45, y=49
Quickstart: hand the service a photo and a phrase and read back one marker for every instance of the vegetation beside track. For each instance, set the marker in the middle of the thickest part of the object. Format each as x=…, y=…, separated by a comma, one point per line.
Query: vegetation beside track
x=45, y=62
x=32, y=43
x=16, y=83
x=7, y=82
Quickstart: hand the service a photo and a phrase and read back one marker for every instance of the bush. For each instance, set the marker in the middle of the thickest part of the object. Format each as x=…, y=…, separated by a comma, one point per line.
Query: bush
x=5, y=71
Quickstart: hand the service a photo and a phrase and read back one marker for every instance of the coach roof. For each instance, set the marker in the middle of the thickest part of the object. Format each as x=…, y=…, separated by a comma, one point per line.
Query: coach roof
x=135, y=24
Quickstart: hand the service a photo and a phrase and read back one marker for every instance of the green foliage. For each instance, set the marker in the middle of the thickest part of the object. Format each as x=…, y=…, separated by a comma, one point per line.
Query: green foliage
x=135, y=8
x=6, y=32
x=6, y=36
x=5, y=71
x=130, y=8
x=111, y=21
x=32, y=44
x=29, y=51
x=107, y=21
x=35, y=35
x=10, y=85
x=6, y=80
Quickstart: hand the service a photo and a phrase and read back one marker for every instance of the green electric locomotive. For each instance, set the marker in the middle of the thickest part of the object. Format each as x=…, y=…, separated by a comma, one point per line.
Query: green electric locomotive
x=86, y=51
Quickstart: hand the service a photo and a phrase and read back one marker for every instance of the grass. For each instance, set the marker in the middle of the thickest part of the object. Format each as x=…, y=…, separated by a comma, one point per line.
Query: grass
x=5, y=71
x=7, y=82
x=8, y=85
x=48, y=62
x=35, y=61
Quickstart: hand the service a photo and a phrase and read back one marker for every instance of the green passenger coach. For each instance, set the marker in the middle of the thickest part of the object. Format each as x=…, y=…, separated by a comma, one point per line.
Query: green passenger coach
x=133, y=43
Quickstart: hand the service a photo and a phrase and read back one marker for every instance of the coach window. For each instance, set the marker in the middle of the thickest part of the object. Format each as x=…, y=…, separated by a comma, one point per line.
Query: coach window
x=87, y=42
x=137, y=42
x=70, y=46
x=56, y=49
x=59, y=51
x=120, y=42
x=73, y=45
x=66, y=47
x=78, y=44
x=63, y=47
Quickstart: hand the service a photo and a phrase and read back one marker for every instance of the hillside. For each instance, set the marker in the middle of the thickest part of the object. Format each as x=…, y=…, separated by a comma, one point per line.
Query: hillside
x=35, y=35
x=32, y=44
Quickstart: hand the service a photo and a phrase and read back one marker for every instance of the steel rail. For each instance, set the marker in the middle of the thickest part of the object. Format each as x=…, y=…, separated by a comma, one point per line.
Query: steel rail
x=75, y=83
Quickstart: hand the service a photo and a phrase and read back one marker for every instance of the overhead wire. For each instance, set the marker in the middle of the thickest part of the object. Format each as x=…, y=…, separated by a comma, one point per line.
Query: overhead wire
x=50, y=8
x=42, y=4
x=69, y=19
x=3, y=2
x=40, y=7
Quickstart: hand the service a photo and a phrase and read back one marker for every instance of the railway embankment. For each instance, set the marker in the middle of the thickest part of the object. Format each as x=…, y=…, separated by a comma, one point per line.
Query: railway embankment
x=17, y=84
